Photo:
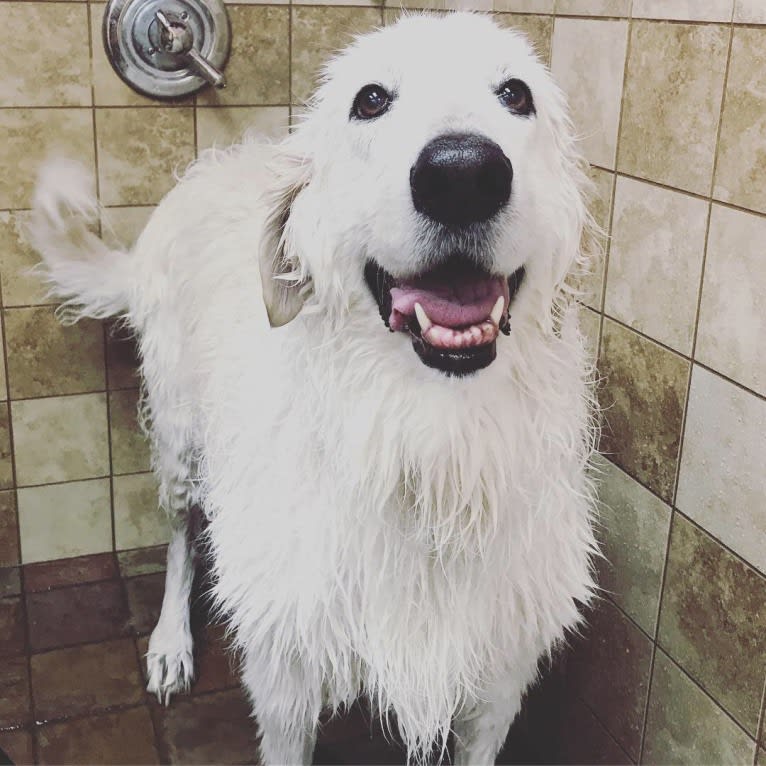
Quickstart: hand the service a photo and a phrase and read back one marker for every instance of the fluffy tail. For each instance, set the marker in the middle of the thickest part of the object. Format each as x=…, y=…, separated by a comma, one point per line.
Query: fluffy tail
x=92, y=280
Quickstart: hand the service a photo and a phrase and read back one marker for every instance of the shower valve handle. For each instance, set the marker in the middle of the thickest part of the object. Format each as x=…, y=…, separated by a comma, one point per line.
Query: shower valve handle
x=176, y=37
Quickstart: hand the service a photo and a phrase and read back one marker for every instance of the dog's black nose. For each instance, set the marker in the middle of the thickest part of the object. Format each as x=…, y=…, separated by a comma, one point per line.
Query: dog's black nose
x=460, y=179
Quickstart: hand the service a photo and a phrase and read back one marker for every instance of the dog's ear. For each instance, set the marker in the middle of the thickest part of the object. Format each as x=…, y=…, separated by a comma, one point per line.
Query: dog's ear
x=284, y=279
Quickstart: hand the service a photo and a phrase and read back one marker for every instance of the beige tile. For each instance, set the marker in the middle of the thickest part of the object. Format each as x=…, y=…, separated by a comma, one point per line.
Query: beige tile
x=525, y=6
x=30, y=136
x=317, y=34
x=655, y=261
x=683, y=10
x=592, y=52
x=258, y=70
x=740, y=175
x=732, y=323
x=393, y=11
x=44, y=54
x=47, y=359
x=642, y=396
x=684, y=726
x=538, y=29
x=108, y=88
x=130, y=448
x=139, y=152
x=223, y=126
x=122, y=225
x=3, y=374
x=633, y=526
x=750, y=11
x=62, y=520
x=367, y=3
x=6, y=458
x=713, y=621
x=673, y=90
x=591, y=284
x=20, y=288
x=60, y=439
x=594, y=7
x=138, y=521
x=722, y=484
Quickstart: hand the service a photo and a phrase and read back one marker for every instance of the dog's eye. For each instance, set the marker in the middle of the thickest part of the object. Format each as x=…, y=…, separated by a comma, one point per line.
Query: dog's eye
x=371, y=102
x=514, y=95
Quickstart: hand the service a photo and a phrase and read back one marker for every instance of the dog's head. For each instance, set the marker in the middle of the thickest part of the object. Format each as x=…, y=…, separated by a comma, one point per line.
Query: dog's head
x=433, y=178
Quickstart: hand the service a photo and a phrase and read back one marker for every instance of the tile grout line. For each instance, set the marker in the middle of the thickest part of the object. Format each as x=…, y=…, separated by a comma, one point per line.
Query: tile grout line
x=603, y=726
x=760, y=729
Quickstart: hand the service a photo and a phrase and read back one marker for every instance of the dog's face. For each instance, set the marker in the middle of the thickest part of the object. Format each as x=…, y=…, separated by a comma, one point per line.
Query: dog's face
x=439, y=184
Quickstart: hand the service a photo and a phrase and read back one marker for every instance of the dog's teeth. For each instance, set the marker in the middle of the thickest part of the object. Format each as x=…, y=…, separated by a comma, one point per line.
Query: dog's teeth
x=423, y=320
x=496, y=312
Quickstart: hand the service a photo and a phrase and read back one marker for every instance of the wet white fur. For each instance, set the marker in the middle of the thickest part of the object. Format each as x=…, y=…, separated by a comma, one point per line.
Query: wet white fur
x=377, y=527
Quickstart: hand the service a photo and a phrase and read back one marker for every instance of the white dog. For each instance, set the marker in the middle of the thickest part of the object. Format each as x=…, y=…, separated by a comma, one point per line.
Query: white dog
x=395, y=470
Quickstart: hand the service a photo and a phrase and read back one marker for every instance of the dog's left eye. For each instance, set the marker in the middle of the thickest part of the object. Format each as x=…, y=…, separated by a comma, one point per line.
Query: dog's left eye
x=515, y=95
x=371, y=102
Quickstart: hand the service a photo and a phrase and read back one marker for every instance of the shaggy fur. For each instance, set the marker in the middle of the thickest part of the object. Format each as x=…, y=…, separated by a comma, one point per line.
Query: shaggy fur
x=378, y=527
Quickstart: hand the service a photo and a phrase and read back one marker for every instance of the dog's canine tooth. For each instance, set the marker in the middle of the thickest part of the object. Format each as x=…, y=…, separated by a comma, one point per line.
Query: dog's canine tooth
x=423, y=320
x=497, y=311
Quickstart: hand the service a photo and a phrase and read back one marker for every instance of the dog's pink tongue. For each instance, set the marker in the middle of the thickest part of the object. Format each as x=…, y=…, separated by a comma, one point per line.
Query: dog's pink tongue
x=462, y=302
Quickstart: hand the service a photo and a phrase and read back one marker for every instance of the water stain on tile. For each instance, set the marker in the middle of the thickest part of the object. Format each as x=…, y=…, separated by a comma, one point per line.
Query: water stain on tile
x=713, y=621
x=643, y=402
x=319, y=32
x=130, y=447
x=18, y=746
x=10, y=581
x=83, y=680
x=46, y=358
x=685, y=726
x=258, y=70
x=609, y=667
x=15, y=700
x=122, y=358
x=538, y=30
x=672, y=97
x=6, y=457
x=115, y=738
x=215, y=663
x=137, y=518
x=223, y=126
x=67, y=616
x=72, y=571
x=145, y=600
x=143, y=561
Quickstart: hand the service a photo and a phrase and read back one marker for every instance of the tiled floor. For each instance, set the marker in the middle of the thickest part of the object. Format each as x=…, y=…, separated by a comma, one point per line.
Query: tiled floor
x=73, y=634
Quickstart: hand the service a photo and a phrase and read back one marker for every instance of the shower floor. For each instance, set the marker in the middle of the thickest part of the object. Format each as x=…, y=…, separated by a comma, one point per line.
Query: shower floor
x=72, y=638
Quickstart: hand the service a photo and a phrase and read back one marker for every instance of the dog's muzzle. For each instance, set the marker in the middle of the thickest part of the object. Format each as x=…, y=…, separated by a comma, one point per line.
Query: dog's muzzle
x=453, y=313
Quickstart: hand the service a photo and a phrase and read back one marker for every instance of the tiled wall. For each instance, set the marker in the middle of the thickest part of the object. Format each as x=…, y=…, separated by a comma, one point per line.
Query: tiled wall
x=669, y=97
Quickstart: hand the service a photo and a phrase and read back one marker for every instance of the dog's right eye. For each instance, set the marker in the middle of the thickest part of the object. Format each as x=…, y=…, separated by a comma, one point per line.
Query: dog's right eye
x=371, y=102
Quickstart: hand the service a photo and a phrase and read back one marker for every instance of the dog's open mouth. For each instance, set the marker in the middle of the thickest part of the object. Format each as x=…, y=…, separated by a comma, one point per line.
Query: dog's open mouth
x=453, y=313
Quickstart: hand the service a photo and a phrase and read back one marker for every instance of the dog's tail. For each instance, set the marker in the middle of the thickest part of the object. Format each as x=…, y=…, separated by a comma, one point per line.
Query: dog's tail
x=92, y=280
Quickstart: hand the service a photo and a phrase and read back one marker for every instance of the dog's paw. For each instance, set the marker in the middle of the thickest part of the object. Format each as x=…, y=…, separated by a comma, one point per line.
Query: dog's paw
x=169, y=672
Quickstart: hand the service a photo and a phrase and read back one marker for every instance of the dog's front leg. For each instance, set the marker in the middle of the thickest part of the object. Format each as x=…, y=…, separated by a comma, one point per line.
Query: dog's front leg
x=481, y=728
x=286, y=704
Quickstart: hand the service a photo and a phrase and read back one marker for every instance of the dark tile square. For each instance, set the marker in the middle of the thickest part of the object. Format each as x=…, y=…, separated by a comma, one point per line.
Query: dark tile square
x=214, y=728
x=215, y=664
x=11, y=626
x=114, y=738
x=75, y=571
x=143, y=561
x=10, y=581
x=145, y=600
x=609, y=670
x=17, y=745
x=14, y=693
x=122, y=358
x=86, y=679
x=79, y=614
